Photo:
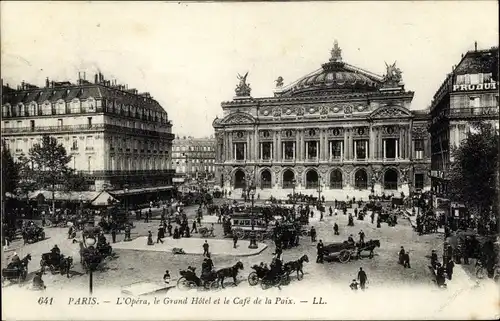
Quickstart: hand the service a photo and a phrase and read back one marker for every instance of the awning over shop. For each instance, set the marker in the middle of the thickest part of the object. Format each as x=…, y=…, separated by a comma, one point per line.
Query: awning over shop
x=144, y=190
x=103, y=199
x=65, y=196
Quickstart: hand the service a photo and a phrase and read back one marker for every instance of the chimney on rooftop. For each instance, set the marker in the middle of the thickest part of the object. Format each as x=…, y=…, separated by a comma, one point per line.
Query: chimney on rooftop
x=475, y=45
x=47, y=82
x=22, y=85
x=96, y=79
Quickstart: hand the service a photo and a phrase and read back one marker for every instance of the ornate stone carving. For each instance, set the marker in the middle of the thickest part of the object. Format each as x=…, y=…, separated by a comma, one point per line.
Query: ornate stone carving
x=324, y=110
x=279, y=82
x=377, y=175
x=312, y=110
x=311, y=132
x=277, y=112
x=266, y=112
x=299, y=170
x=300, y=111
x=361, y=131
x=393, y=75
x=243, y=89
x=239, y=119
x=335, y=109
x=347, y=109
x=335, y=132
x=390, y=112
x=404, y=174
x=323, y=169
x=419, y=132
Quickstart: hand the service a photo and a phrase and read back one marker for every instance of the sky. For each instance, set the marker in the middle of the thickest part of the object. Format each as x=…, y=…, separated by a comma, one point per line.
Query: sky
x=188, y=55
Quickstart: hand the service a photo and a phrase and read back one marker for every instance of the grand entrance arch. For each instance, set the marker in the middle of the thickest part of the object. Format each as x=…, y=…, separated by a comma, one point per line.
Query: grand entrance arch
x=312, y=179
x=288, y=179
x=336, y=179
x=361, y=179
x=391, y=179
x=265, y=179
x=239, y=179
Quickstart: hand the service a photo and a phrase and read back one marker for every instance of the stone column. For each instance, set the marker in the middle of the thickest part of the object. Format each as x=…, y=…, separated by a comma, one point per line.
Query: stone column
x=372, y=144
x=367, y=150
x=261, y=152
x=256, y=144
x=231, y=147
x=383, y=147
x=293, y=151
x=344, y=145
x=307, y=151
x=275, y=146
x=400, y=143
x=342, y=151
x=278, y=149
x=320, y=146
x=397, y=148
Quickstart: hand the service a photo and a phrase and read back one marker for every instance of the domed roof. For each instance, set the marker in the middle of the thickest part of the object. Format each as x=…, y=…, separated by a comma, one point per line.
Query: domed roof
x=335, y=76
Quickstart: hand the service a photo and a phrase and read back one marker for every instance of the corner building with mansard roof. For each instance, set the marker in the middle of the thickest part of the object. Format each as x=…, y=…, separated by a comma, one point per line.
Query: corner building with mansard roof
x=119, y=139
x=339, y=131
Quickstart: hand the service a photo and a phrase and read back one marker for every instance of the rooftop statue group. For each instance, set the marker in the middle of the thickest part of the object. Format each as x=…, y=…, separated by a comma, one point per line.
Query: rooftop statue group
x=243, y=89
x=393, y=75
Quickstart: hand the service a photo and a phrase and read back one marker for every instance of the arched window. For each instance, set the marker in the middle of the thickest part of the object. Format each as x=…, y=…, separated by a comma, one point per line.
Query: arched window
x=60, y=107
x=361, y=179
x=265, y=179
x=6, y=111
x=239, y=179
x=288, y=179
x=47, y=108
x=336, y=179
x=391, y=179
x=20, y=109
x=32, y=109
x=312, y=179
x=75, y=106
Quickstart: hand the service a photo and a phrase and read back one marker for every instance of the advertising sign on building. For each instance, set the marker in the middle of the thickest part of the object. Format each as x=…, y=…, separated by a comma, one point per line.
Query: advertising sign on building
x=476, y=87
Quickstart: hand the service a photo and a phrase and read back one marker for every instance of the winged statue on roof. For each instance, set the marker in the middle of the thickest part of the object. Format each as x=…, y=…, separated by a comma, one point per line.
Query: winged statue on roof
x=279, y=82
x=243, y=89
x=393, y=74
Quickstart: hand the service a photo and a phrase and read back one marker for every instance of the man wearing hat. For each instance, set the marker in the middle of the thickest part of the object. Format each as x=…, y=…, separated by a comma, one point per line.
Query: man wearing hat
x=161, y=234
x=434, y=259
x=38, y=283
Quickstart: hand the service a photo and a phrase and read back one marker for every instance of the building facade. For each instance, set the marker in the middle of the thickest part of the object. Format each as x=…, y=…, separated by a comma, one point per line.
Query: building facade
x=194, y=157
x=468, y=94
x=117, y=137
x=339, y=130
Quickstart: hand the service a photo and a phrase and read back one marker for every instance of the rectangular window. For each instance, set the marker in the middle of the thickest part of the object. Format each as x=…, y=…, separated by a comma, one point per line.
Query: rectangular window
x=390, y=148
x=474, y=79
x=312, y=150
x=361, y=149
x=336, y=149
x=59, y=123
x=6, y=124
x=240, y=151
x=32, y=125
x=74, y=146
x=89, y=121
x=89, y=144
x=474, y=102
x=289, y=150
x=419, y=148
x=19, y=124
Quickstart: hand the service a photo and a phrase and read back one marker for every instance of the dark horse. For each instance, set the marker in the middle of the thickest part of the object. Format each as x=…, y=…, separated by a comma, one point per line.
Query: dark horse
x=297, y=265
x=368, y=246
x=22, y=263
x=229, y=272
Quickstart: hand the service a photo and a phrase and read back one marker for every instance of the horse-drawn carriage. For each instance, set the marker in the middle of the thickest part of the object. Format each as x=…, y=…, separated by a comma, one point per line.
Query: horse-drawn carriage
x=204, y=231
x=33, y=233
x=16, y=270
x=269, y=277
x=56, y=263
x=345, y=251
x=189, y=280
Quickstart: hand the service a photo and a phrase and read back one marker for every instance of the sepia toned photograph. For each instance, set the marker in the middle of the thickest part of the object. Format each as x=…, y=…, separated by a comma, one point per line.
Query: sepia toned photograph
x=298, y=160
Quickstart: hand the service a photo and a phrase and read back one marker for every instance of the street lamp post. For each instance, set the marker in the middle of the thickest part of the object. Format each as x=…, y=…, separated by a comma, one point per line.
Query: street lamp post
x=293, y=190
x=126, y=203
x=90, y=241
x=319, y=190
x=253, y=241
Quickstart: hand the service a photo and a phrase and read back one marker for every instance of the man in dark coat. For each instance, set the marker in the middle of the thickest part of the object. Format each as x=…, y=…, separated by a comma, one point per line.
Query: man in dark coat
x=434, y=259
x=169, y=228
x=235, y=240
x=313, y=234
x=205, y=248
x=362, y=278
x=194, y=229
x=161, y=234
x=449, y=268
x=406, y=260
x=113, y=235
x=320, y=253
x=330, y=210
x=335, y=229
x=401, y=255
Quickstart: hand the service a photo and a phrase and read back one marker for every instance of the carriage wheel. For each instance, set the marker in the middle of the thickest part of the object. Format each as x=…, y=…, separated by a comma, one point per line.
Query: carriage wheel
x=214, y=285
x=183, y=284
x=303, y=233
x=253, y=279
x=344, y=256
